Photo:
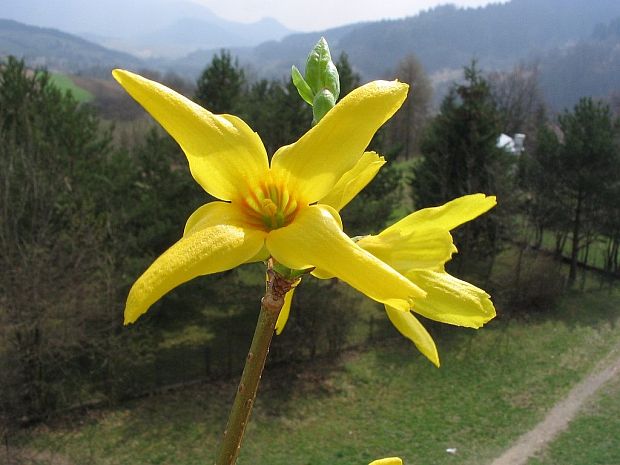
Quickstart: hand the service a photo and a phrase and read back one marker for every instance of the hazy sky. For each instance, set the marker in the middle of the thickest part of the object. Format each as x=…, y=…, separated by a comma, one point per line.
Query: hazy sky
x=311, y=15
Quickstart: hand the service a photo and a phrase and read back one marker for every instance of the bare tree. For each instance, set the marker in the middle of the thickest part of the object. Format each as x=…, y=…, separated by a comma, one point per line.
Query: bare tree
x=407, y=125
x=518, y=98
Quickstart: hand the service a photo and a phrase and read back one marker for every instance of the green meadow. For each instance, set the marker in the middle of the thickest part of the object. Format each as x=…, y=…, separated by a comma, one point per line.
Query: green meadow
x=65, y=83
x=382, y=400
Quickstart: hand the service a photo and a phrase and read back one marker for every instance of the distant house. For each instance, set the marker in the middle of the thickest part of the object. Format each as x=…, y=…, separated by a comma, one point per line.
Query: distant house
x=513, y=145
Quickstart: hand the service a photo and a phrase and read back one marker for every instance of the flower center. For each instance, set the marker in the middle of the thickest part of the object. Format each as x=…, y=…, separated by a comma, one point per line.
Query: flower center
x=270, y=206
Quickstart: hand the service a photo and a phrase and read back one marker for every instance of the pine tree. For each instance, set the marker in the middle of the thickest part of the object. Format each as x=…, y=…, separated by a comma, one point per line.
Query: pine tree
x=53, y=254
x=589, y=165
x=459, y=149
x=460, y=157
x=221, y=85
x=349, y=79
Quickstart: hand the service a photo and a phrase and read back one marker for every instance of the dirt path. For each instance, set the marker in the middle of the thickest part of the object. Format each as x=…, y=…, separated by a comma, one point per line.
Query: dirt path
x=561, y=414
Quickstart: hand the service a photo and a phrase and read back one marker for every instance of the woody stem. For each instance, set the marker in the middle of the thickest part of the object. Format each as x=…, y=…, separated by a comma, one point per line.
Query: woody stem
x=271, y=304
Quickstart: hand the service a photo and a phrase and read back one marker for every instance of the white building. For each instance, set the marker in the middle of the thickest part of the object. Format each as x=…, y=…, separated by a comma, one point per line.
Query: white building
x=513, y=145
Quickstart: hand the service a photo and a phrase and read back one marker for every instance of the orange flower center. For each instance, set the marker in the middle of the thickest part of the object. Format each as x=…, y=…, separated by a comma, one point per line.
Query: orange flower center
x=270, y=206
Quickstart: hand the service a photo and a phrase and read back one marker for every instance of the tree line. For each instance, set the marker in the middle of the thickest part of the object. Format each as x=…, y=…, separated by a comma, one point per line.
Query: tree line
x=84, y=210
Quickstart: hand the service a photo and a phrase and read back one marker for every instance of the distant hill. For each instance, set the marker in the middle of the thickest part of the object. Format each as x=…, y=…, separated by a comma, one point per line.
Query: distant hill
x=144, y=27
x=109, y=18
x=557, y=34
x=446, y=37
x=190, y=34
x=264, y=60
x=497, y=35
x=56, y=50
x=550, y=32
x=591, y=67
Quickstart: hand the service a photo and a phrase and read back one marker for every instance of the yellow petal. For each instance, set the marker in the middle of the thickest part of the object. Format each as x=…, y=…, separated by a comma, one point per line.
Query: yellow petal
x=314, y=239
x=314, y=163
x=447, y=216
x=321, y=274
x=410, y=327
x=214, y=213
x=225, y=155
x=451, y=300
x=387, y=461
x=214, y=246
x=286, y=310
x=354, y=180
x=426, y=248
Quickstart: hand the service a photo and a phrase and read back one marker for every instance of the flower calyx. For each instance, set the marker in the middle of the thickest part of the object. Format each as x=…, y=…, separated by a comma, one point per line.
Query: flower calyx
x=280, y=280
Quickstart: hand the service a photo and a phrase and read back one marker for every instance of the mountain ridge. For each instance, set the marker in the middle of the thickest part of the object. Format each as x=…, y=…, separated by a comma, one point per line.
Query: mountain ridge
x=59, y=50
x=448, y=36
x=444, y=39
x=143, y=27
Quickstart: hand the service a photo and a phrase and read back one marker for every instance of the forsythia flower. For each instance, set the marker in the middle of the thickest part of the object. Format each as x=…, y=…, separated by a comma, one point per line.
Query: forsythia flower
x=418, y=246
x=387, y=461
x=271, y=209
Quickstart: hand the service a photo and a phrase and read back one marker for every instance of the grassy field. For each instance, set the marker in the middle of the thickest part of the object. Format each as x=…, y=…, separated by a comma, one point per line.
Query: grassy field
x=64, y=83
x=494, y=385
x=596, y=255
x=592, y=438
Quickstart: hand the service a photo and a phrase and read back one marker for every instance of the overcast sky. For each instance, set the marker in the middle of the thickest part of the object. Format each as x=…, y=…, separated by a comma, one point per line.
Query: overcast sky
x=311, y=15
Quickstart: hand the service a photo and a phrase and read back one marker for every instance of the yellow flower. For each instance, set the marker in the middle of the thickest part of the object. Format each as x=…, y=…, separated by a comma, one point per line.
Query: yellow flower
x=270, y=209
x=418, y=246
x=387, y=461
x=347, y=187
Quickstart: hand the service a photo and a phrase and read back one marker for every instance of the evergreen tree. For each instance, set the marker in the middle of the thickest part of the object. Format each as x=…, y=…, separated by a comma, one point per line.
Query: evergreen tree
x=539, y=175
x=459, y=149
x=349, y=79
x=55, y=282
x=221, y=85
x=274, y=110
x=571, y=181
x=589, y=165
x=460, y=157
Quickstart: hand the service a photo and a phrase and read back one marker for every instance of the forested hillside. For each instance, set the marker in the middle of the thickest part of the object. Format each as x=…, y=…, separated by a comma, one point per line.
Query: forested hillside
x=590, y=67
x=574, y=45
x=553, y=34
x=58, y=50
x=447, y=36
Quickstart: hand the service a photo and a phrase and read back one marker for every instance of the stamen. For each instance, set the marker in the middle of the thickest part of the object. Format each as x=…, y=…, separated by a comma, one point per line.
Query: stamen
x=284, y=198
x=291, y=207
x=271, y=206
x=274, y=194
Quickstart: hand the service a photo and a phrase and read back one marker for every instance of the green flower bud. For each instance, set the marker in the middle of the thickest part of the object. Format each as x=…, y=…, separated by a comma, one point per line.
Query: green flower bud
x=321, y=73
x=323, y=102
x=321, y=85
